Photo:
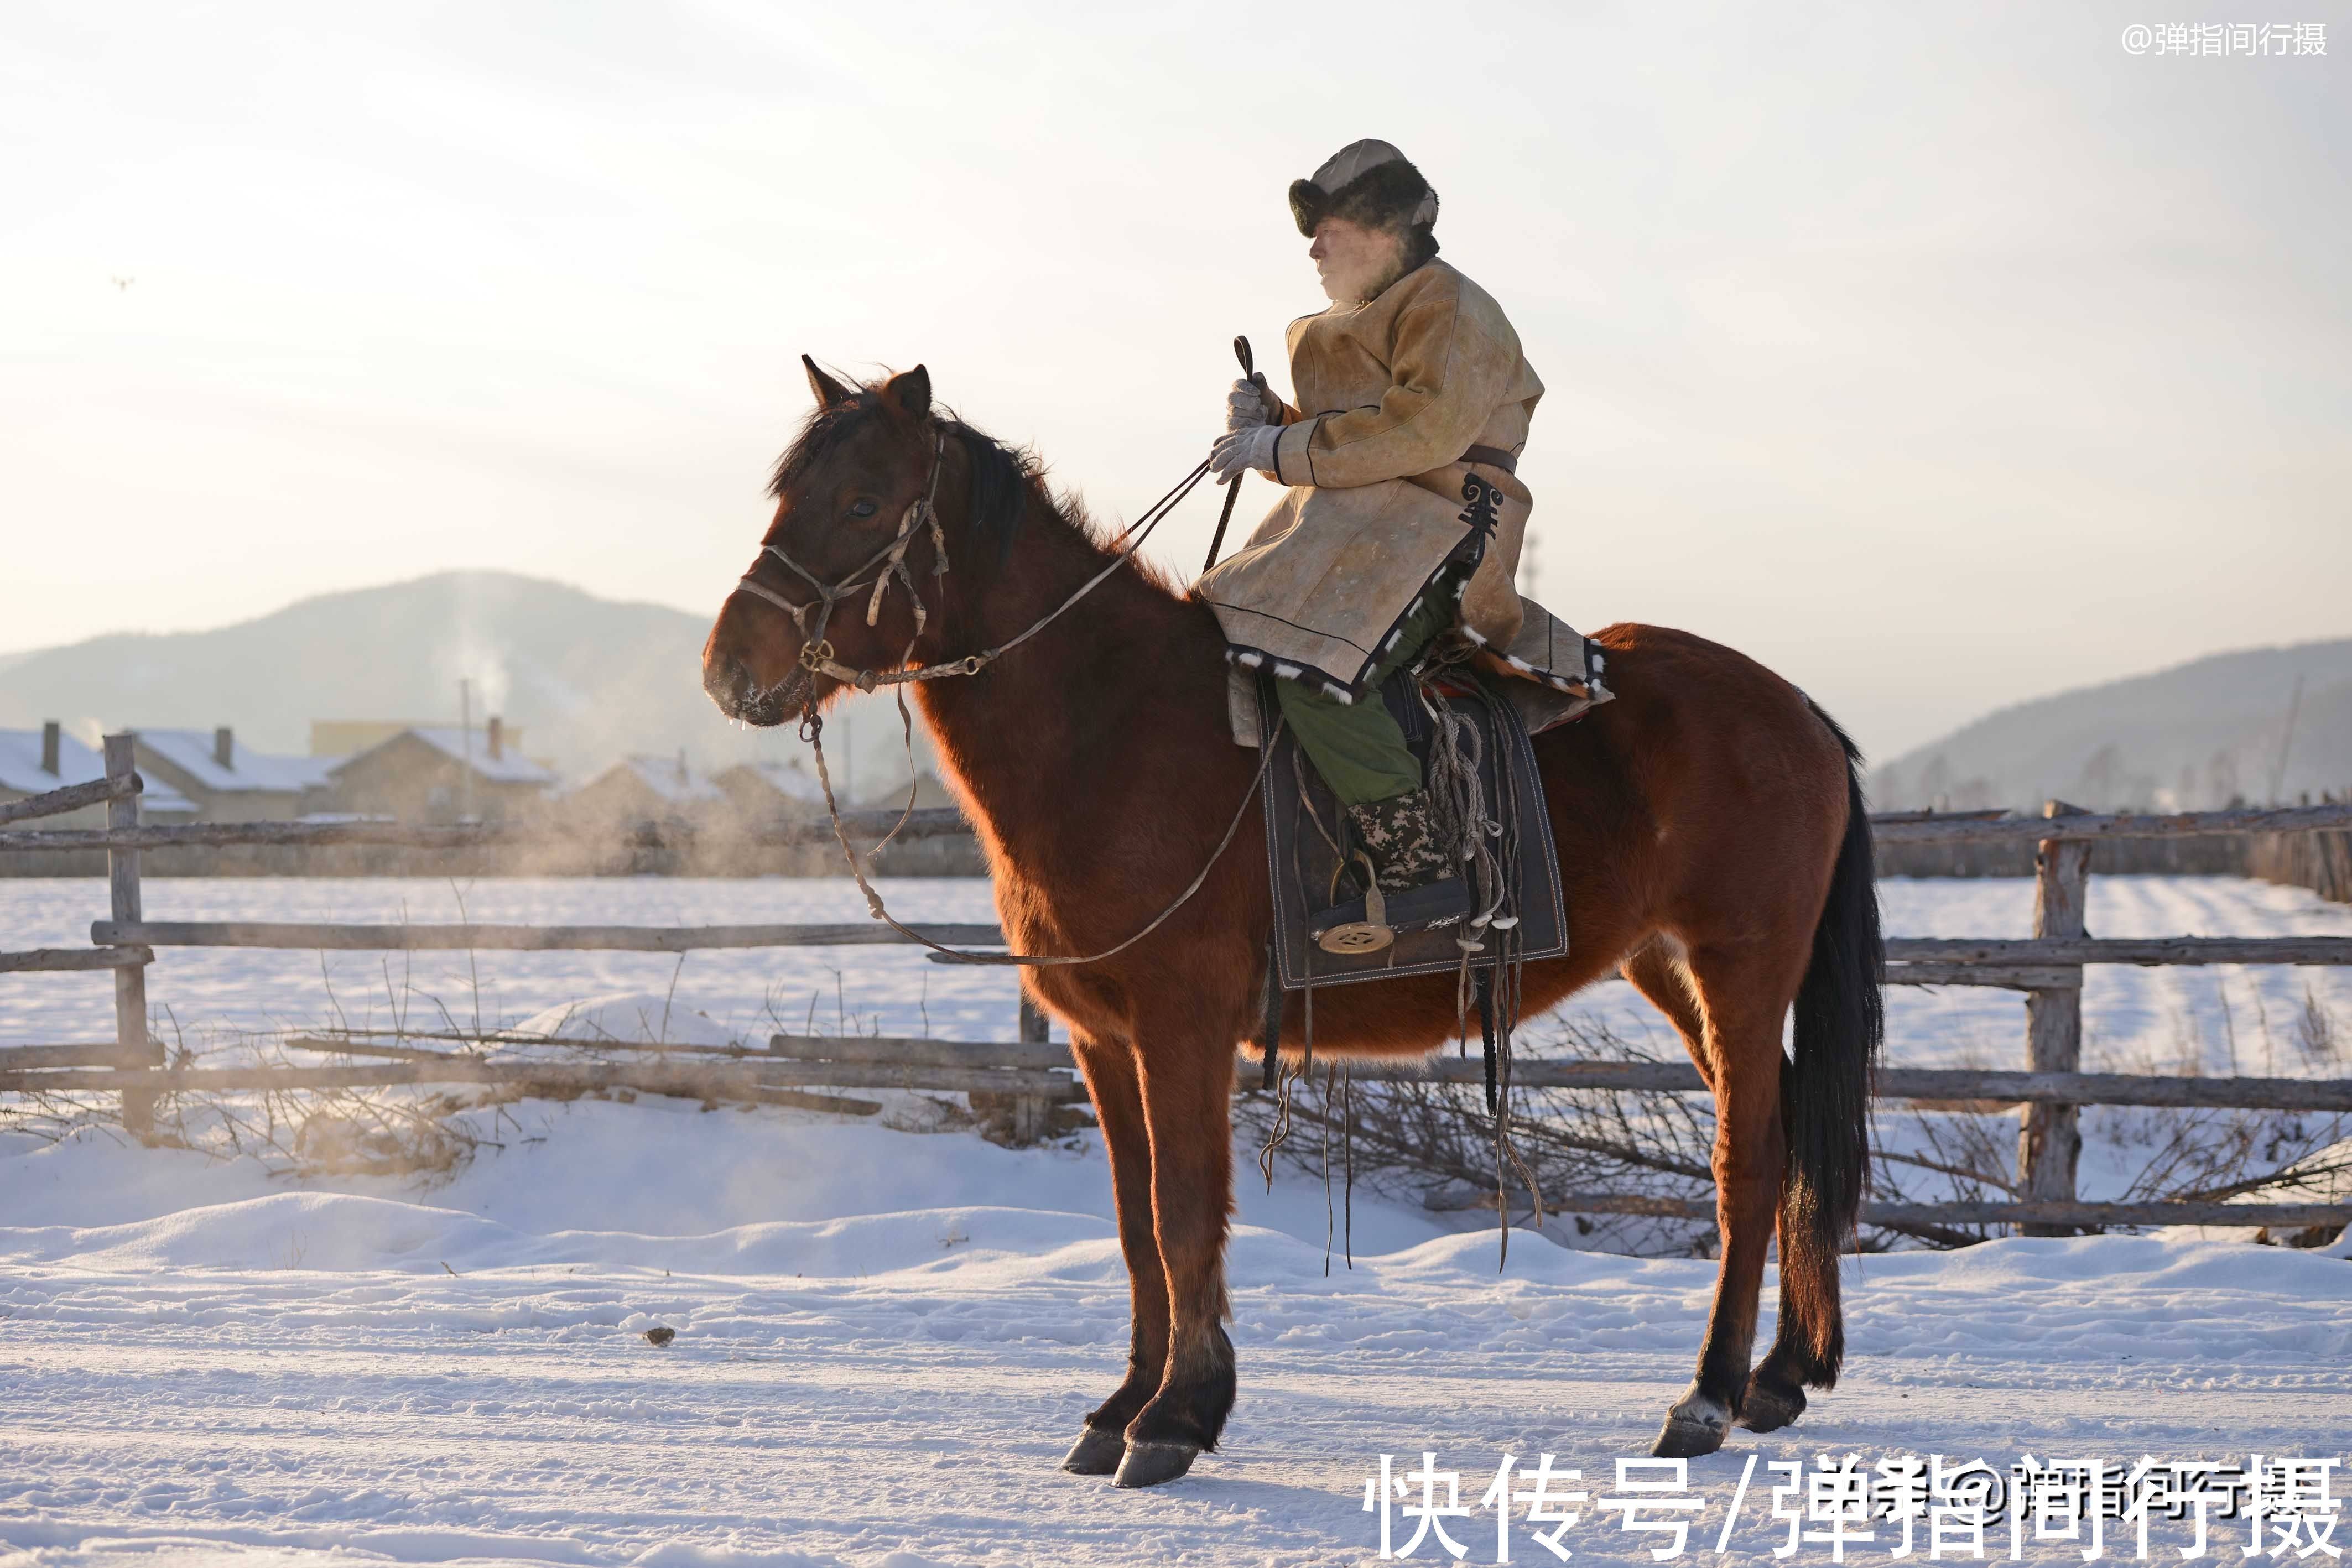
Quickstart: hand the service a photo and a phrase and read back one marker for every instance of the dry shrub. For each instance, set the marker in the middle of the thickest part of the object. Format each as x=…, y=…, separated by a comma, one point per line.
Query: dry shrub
x=1432, y=1143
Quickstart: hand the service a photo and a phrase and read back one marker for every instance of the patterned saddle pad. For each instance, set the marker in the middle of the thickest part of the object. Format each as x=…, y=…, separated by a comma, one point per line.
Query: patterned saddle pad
x=1307, y=837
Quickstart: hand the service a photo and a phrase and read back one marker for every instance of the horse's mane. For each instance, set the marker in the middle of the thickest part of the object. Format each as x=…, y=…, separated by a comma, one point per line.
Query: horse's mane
x=1003, y=479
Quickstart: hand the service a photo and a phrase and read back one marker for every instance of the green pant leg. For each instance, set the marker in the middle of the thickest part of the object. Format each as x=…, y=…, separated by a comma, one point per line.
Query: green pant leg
x=1358, y=748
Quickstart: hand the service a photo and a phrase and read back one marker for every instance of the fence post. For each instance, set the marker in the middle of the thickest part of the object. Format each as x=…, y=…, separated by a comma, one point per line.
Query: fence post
x=2049, y=1137
x=130, y=981
x=1031, y=1113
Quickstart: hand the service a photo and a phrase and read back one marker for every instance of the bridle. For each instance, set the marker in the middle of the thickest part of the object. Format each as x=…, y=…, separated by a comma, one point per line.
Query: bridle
x=888, y=564
x=817, y=655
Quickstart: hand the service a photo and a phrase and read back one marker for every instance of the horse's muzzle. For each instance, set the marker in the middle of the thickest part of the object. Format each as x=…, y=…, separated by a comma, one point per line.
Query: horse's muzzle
x=739, y=697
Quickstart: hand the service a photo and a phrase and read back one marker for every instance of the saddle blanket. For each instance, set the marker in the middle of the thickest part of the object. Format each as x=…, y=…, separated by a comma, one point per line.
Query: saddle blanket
x=1307, y=840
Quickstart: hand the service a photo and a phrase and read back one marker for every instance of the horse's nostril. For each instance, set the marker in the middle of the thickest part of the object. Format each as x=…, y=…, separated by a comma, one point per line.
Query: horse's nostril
x=729, y=684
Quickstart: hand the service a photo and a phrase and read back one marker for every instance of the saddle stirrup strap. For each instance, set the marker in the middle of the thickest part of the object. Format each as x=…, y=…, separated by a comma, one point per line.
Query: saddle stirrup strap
x=1370, y=934
x=1270, y=1031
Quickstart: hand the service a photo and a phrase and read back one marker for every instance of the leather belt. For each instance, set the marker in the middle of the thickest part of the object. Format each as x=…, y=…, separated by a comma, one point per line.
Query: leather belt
x=1492, y=457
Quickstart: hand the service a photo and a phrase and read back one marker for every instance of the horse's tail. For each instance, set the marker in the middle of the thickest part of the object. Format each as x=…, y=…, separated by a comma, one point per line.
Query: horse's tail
x=1825, y=1091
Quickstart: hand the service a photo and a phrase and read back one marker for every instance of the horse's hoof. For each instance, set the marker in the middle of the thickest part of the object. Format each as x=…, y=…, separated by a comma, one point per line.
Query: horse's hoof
x=1681, y=1439
x=1770, y=1409
x=1096, y=1453
x=1695, y=1423
x=1150, y=1464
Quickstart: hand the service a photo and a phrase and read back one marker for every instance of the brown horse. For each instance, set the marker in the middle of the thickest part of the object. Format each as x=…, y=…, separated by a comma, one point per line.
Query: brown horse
x=1710, y=831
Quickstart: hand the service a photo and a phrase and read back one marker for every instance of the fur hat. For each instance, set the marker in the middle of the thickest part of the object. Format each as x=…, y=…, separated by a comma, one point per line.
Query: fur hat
x=1368, y=182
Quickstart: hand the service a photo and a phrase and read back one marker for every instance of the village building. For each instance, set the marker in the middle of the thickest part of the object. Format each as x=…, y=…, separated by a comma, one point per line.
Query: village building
x=928, y=792
x=228, y=782
x=36, y=761
x=772, y=792
x=342, y=737
x=435, y=773
x=656, y=789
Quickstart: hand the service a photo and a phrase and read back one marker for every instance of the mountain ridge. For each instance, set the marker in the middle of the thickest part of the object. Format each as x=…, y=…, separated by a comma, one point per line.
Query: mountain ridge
x=588, y=680
x=2193, y=735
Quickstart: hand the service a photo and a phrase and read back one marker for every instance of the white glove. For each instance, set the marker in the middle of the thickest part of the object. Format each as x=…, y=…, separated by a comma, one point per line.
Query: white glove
x=1249, y=448
x=1245, y=405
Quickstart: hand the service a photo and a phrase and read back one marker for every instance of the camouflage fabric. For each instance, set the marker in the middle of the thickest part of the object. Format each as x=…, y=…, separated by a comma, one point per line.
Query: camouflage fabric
x=1402, y=836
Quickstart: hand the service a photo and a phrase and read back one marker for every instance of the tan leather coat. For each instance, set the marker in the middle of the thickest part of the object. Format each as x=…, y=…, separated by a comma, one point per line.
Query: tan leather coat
x=1390, y=394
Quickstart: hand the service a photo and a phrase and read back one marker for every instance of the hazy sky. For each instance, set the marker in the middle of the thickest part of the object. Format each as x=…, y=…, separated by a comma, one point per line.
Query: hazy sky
x=1939, y=357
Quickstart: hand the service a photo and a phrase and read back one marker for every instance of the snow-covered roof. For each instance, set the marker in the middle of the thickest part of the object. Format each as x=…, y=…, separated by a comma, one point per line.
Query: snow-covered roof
x=789, y=780
x=510, y=766
x=190, y=751
x=673, y=781
x=21, y=773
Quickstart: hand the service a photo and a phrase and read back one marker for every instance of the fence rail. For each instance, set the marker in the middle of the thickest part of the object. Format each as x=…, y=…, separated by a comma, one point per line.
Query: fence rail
x=789, y=1056
x=1025, y=1079
x=2072, y=826
x=72, y=797
x=928, y=822
x=308, y=936
x=55, y=959
x=1915, y=1216
x=934, y=821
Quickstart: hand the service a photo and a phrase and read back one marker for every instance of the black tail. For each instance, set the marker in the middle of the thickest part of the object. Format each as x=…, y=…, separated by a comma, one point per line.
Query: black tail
x=1825, y=1091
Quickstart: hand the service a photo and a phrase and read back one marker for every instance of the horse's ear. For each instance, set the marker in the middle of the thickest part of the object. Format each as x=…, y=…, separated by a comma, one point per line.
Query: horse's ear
x=911, y=392
x=828, y=391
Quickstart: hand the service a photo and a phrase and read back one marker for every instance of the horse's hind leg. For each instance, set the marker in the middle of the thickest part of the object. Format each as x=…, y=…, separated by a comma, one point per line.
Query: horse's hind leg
x=1111, y=1074
x=1743, y=995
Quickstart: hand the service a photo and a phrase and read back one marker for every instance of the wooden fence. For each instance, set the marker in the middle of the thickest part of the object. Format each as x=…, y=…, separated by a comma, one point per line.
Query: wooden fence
x=1022, y=1082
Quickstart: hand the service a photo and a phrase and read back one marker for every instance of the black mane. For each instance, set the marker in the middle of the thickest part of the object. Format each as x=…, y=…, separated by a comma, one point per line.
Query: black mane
x=1000, y=476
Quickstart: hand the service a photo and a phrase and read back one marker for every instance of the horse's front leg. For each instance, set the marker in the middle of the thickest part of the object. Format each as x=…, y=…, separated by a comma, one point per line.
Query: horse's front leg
x=1111, y=1074
x=1187, y=1082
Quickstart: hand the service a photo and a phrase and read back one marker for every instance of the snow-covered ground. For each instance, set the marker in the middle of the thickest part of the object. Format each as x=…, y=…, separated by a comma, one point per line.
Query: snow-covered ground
x=886, y=1338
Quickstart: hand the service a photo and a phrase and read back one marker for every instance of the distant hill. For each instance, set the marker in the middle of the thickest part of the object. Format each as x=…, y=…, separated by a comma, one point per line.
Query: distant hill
x=589, y=680
x=2190, y=737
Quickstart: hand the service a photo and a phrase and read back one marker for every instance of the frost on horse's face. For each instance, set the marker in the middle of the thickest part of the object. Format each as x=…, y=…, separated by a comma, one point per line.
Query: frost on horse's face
x=843, y=491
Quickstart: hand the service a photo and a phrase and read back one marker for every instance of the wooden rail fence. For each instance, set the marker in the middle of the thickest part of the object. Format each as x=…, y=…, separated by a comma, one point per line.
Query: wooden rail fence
x=1020, y=1082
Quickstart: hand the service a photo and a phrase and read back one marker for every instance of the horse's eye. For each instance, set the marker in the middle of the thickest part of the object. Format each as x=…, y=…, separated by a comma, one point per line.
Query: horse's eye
x=864, y=508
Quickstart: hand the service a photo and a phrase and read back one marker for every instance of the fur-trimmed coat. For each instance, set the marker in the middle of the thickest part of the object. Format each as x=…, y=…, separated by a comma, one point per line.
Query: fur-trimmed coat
x=1391, y=393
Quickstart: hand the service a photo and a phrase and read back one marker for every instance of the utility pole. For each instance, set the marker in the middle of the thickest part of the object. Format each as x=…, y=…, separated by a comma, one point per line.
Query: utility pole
x=466, y=743
x=2278, y=774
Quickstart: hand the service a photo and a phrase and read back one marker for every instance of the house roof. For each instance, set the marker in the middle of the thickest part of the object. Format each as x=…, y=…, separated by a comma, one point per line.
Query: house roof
x=21, y=773
x=789, y=780
x=675, y=784
x=510, y=766
x=190, y=751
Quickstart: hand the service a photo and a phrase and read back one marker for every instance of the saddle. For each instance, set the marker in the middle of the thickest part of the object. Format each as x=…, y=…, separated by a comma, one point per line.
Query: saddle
x=1506, y=905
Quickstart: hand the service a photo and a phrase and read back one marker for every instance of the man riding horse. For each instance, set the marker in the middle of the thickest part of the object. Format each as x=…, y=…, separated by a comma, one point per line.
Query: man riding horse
x=1710, y=832
x=1412, y=398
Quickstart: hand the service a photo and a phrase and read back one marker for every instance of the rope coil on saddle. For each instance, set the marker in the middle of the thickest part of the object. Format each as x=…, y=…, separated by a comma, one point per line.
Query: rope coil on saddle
x=1484, y=835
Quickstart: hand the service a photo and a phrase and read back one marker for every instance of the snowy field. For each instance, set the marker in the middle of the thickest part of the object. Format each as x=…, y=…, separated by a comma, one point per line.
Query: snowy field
x=886, y=1339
